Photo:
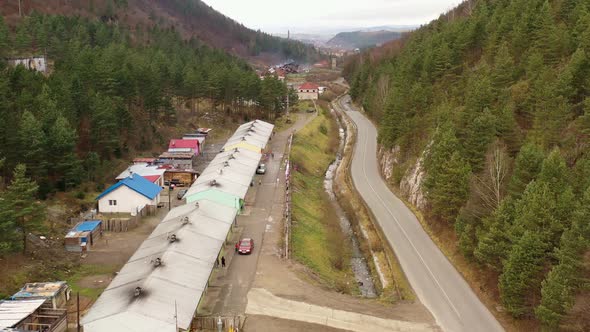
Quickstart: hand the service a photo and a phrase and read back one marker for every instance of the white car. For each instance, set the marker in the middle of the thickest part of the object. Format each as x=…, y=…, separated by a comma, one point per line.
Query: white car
x=261, y=169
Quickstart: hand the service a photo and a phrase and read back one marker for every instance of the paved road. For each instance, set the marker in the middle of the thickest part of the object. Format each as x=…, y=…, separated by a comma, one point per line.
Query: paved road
x=264, y=206
x=436, y=282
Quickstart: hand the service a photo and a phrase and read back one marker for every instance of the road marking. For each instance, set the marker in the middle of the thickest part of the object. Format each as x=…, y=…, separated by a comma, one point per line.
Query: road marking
x=404, y=231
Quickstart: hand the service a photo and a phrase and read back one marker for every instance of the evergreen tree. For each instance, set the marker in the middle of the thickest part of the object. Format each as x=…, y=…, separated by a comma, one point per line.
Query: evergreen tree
x=527, y=167
x=32, y=141
x=4, y=38
x=62, y=143
x=451, y=189
x=521, y=274
x=20, y=212
x=494, y=242
x=503, y=73
x=557, y=293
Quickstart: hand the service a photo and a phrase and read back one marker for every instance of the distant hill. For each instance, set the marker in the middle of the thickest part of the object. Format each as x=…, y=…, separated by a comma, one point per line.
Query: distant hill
x=362, y=39
x=191, y=18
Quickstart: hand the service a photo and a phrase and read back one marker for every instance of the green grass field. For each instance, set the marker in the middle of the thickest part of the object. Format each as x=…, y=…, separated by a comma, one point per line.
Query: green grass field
x=317, y=240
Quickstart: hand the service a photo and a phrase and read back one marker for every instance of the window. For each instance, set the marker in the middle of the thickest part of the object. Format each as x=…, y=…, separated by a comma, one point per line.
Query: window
x=112, y=202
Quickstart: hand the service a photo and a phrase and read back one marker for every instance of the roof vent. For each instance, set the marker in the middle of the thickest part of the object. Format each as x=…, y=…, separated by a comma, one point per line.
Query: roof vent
x=232, y=156
x=243, y=138
x=157, y=262
x=226, y=164
x=185, y=220
x=197, y=205
x=213, y=183
x=220, y=171
x=137, y=291
x=172, y=238
x=236, y=150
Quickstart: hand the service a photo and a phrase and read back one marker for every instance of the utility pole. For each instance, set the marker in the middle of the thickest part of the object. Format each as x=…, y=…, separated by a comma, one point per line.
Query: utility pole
x=78, y=309
x=170, y=188
x=288, y=93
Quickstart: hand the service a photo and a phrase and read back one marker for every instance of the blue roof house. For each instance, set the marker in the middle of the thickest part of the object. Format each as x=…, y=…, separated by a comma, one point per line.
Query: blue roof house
x=129, y=195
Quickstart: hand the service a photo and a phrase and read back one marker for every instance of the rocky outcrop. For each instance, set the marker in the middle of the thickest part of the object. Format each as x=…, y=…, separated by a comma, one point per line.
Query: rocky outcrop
x=411, y=183
x=388, y=159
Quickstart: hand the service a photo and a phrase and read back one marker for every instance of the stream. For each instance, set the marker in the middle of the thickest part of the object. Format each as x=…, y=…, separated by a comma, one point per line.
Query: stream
x=359, y=265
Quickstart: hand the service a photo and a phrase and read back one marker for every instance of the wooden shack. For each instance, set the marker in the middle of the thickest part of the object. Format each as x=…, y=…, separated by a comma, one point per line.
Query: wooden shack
x=83, y=235
x=184, y=177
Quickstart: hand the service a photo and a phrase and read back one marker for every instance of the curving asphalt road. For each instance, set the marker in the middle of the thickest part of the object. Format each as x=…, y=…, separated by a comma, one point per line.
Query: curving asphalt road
x=434, y=279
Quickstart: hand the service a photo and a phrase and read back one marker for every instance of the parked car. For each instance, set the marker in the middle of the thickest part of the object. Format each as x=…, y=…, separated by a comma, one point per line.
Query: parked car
x=261, y=169
x=181, y=193
x=310, y=110
x=245, y=246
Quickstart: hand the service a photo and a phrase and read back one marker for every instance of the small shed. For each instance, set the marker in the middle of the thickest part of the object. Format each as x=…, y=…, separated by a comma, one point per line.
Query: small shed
x=57, y=292
x=82, y=236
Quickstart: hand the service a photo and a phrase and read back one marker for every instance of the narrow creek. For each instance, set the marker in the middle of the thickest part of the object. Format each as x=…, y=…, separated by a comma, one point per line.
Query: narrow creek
x=359, y=265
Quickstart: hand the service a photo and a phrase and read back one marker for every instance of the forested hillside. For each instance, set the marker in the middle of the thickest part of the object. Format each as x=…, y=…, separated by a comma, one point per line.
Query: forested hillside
x=190, y=18
x=493, y=100
x=107, y=92
x=362, y=39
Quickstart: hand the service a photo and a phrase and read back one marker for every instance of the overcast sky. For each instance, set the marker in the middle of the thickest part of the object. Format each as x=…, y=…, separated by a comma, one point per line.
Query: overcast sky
x=276, y=16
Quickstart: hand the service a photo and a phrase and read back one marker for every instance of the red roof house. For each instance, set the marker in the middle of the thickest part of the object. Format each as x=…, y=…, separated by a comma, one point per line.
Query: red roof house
x=308, y=91
x=309, y=86
x=184, y=145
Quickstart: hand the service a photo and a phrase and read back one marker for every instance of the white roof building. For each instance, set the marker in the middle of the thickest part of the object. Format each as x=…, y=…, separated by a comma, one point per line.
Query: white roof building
x=171, y=275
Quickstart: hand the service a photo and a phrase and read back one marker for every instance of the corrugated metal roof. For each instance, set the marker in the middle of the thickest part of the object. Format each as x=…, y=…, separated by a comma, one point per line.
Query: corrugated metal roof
x=217, y=174
x=152, y=178
x=186, y=265
x=238, y=153
x=87, y=226
x=184, y=144
x=136, y=183
x=256, y=133
x=223, y=185
x=141, y=169
x=13, y=312
x=244, y=167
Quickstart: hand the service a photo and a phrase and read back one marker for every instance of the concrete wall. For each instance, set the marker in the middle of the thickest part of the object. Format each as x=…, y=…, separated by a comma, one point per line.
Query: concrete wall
x=308, y=95
x=128, y=201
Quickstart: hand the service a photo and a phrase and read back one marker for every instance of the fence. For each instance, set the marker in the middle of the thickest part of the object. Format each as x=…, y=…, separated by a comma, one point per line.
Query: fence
x=288, y=218
x=115, y=222
x=210, y=323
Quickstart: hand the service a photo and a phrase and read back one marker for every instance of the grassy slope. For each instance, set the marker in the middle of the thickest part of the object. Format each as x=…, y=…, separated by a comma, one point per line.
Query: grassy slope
x=317, y=239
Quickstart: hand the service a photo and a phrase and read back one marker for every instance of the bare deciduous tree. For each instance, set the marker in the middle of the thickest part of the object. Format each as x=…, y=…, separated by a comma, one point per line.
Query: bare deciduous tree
x=490, y=184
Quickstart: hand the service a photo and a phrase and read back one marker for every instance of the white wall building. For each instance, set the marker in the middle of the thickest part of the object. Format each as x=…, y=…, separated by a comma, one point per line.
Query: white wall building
x=308, y=91
x=129, y=195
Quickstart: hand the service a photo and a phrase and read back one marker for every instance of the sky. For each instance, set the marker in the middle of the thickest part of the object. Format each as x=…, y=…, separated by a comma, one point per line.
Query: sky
x=317, y=16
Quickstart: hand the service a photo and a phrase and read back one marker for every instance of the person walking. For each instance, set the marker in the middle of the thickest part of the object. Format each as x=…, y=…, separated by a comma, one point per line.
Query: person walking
x=223, y=261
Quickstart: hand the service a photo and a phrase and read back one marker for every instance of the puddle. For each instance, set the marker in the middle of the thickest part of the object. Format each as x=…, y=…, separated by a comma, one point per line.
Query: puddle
x=358, y=263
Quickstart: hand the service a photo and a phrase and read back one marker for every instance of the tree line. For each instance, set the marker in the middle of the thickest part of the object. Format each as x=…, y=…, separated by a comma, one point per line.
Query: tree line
x=496, y=101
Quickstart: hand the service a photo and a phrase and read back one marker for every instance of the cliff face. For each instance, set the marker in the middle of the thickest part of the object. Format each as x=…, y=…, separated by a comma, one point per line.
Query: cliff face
x=410, y=185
